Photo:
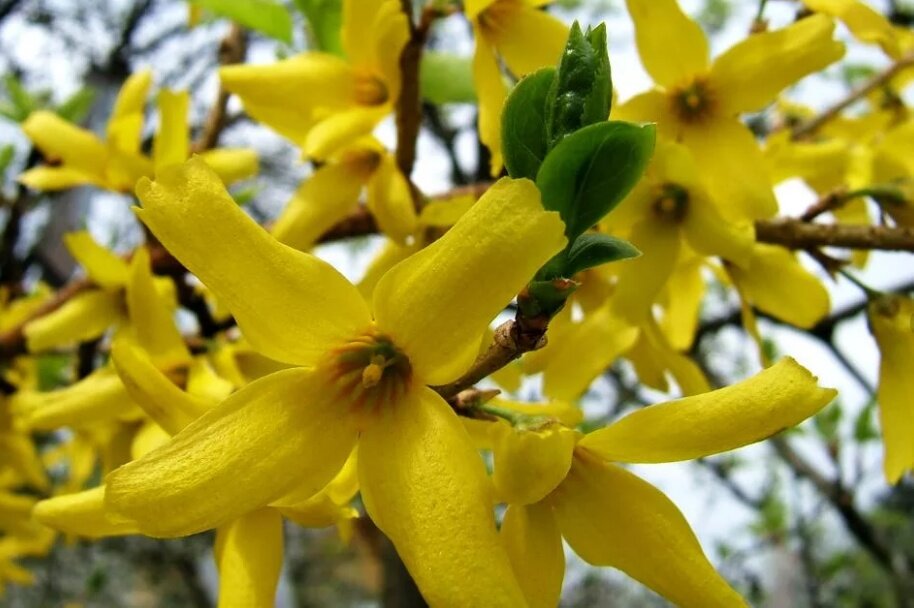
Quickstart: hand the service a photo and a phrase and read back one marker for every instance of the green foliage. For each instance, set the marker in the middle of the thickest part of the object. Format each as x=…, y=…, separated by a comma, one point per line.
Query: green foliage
x=593, y=249
x=19, y=103
x=586, y=175
x=827, y=422
x=446, y=78
x=325, y=21
x=581, y=92
x=864, y=425
x=265, y=16
x=7, y=153
x=76, y=107
x=523, y=125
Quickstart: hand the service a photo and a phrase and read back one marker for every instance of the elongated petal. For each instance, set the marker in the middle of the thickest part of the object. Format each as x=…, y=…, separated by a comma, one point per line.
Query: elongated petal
x=642, y=279
x=491, y=92
x=530, y=463
x=425, y=487
x=672, y=47
x=58, y=178
x=612, y=518
x=710, y=234
x=513, y=31
x=322, y=200
x=534, y=545
x=171, y=144
x=291, y=306
x=249, y=555
x=98, y=397
x=151, y=318
x=892, y=322
x=684, y=294
x=277, y=433
x=733, y=168
x=864, y=23
x=743, y=79
x=437, y=303
x=776, y=283
x=83, y=317
x=769, y=402
x=131, y=99
x=232, y=164
x=60, y=140
x=82, y=514
x=391, y=201
x=170, y=407
x=103, y=266
x=340, y=129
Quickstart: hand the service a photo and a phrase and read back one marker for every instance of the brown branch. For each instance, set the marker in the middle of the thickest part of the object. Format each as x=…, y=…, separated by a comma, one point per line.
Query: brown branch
x=12, y=342
x=797, y=234
x=809, y=127
x=232, y=49
x=409, y=103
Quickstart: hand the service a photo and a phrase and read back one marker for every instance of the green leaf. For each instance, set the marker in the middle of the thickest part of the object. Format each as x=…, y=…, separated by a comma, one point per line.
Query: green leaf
x=265, y=16
x=7, y=153
x=864, y=427
x=325, y=21
x=77, y=106
x=591, y=171
x=581, y=93
x=446, y=78
x=523, y=124
x=21, y=100
x=593, y=249
x=827, y=422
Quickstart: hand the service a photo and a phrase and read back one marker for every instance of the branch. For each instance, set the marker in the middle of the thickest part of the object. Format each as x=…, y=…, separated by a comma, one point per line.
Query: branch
x=809, y=127
x=409, y=103
x=797, y=234
x=232, y=49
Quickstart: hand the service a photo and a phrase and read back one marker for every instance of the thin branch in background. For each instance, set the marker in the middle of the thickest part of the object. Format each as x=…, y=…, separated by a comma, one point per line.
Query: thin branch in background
x=232, y=49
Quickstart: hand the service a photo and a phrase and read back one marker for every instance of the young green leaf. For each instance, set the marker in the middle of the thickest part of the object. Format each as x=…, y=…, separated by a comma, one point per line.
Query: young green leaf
x=325, y=21
x=446, y=78
x=523, y=128
x=592, y=249
x=590, y=171
x=7, y=153
x=23, y=103
x=265, y=16
x=581, y=93
x=77, y=106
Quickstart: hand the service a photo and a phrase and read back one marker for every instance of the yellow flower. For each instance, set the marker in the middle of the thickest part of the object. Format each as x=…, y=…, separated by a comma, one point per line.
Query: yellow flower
x=866, y=24
x=609, y=516
x=322, y=102
x=522, y=34
x=332, y=192
x=892, y=323
x=698, y=102
x=364, y=380
x=117, y=163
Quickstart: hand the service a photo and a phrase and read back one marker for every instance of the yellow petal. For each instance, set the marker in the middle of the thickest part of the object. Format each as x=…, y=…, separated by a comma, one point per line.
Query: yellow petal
x=733, y=168
x=149, y=437
x=684, y=294
x=19, y=453
x=98, y=397
x=710, y=234
x=170, y=407
x=425, y=487
x=291, y=306
x=642, y=279
x=232, y=164
x=865, y=24
x=742, y=77
x=391, y=202
x=892, y=322
x=103, y=267
x=60, y=140
x=512, y=30
x=171, y=144
x=612, y=518
x=205, y=383
x=534, y=545
x=82, y=514
x=483, y=261
x=530, y=463
x=672, y=46
x=773, y=400
x=651, y=106
x=776, y=283
x=586, y=352
x=491, y=92
x=685, y=371
x=278, y=433
x=151, y=318
x=340, y=129
x=58, y=178
x=322, y=200
x=84, y=317
x=131, y=100
x=249, y=555
x=390, y=35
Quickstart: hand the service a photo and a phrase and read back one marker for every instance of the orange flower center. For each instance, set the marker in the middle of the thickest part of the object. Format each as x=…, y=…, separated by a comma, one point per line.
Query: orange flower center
x=693, y=102
x=671, y=202
x=369, y=372
x=370, y=90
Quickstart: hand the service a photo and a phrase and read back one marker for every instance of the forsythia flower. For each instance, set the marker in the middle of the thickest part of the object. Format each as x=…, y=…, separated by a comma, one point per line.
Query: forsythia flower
x=322, y=102
x=364, y=380
x=505, y=28
x=558, y=486
x=697, y=102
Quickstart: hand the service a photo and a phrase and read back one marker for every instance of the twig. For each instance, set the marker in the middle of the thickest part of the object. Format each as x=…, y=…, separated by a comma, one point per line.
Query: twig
x=409, y=105
x=809, y=127
x=231, y=50
x=797, y=234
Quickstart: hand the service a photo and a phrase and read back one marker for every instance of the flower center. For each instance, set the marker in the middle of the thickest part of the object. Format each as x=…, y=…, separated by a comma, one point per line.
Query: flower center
x=693, y=102
x=671, y=203
x=369, y=372
x=370, y=90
